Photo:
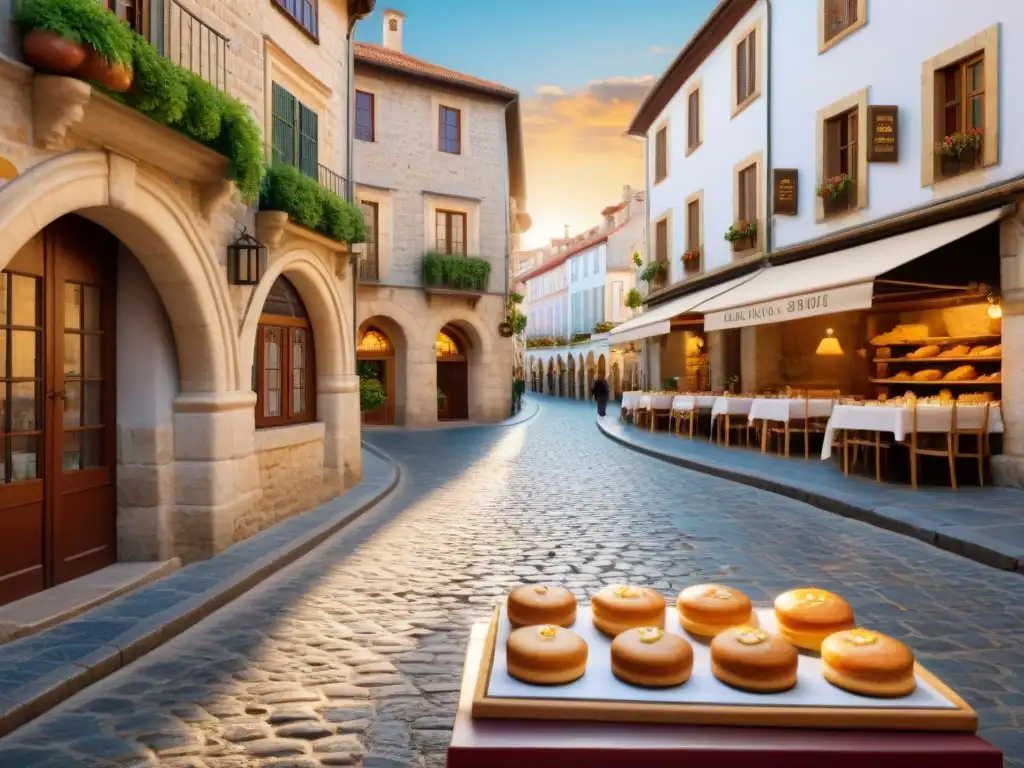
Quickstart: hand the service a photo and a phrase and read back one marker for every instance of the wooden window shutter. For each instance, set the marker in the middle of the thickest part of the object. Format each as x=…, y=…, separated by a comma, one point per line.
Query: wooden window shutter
x=693, y=225
x=693, y=121
x=283, y=128
x=661, y=242
x=833, y=144
x=751, y=62
x=741, y=71
x=308, y=151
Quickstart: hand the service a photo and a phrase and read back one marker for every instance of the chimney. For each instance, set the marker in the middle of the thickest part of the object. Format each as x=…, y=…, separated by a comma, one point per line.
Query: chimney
x=393, y=22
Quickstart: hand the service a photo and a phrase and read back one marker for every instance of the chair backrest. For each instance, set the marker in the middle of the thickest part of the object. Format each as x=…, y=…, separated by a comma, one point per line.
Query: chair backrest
x=914, y=419
x=968, y=421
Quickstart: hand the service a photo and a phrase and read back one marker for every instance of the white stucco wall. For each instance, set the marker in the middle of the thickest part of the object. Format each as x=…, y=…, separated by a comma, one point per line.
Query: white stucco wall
x=886, y=57
x=727, y=140
x=587, y=271
x=547, y=300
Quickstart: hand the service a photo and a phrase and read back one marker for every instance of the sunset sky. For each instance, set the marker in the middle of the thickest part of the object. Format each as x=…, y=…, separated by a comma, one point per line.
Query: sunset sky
x=582, y=67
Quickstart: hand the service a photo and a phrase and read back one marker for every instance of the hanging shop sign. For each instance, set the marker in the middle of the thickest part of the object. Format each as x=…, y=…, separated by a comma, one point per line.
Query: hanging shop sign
x=784, y=191
x=883, y=135
x=809, y=304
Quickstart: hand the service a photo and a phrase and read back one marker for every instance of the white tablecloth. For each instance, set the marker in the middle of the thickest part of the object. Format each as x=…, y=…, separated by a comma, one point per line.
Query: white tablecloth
x=657, y=402
x=898, y=420
x=689, y=402
x=630, y=400
x=785, y=409
x=732, y=406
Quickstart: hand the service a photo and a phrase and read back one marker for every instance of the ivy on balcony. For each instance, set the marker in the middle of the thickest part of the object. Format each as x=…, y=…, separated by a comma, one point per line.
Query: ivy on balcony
x=460, y=273
x=287, y=189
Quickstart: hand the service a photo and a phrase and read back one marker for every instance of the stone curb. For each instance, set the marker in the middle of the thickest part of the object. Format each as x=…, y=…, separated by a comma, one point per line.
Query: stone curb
x=524, y=415
x=57, y=673
x=959, y=540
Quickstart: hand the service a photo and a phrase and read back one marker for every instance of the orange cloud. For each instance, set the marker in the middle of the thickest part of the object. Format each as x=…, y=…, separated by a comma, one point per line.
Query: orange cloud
x=578, y=157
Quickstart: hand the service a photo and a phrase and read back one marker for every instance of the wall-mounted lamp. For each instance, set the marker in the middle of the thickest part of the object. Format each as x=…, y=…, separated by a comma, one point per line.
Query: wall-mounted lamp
x=995, y=310
x=247, y=260
x=829, y=345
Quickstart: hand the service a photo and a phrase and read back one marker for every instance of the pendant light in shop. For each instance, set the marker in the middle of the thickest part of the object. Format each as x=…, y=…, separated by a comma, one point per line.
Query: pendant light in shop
x=829, y=345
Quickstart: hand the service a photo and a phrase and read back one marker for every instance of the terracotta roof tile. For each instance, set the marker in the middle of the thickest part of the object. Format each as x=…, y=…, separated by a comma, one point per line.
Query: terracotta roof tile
x=377, y=55
x=561, y=258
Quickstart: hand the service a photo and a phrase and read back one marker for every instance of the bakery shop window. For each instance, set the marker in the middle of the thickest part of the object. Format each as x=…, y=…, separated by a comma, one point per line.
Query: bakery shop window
x=284, y=372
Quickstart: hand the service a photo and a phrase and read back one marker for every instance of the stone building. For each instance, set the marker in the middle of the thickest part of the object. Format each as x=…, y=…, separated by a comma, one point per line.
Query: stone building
x=440, y=177
x=180, y=410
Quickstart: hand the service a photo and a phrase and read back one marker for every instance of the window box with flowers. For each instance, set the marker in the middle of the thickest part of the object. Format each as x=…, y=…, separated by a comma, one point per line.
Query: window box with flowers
x=654, y=273
x=837, y=193
x=960, y=152
x=691, y=260
x=742, y=235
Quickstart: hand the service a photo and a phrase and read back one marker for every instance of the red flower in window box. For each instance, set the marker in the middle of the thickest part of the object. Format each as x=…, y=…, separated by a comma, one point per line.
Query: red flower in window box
x=691, y=256
x=956, y=144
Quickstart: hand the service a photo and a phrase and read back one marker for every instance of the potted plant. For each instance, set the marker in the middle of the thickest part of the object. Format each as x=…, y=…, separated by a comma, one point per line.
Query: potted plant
x=691, y=259
x=835, y=192
x=634, y=300
x=653, y=272
x=732, y=382
x=371, y=395
x=742, y=235
x=442, y=399
x=638, y=259
x=960, y=150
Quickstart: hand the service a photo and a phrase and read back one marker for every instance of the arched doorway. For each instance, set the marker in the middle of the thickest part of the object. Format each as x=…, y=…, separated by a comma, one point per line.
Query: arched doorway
x=572, y=377
x=581, y=384
x=560, y=369
x=616, y=381
x=602, y=371
x=551, y=377
x=375, y=358
x=284, y=373
x=452, y=375
x=58, y=500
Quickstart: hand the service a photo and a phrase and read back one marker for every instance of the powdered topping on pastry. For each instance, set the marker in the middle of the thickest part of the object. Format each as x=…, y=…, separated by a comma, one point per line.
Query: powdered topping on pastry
x=650, y=635
x=751, y=636
x=627, y=592
x=860, y=637
x=548, y=632
x=540, y=589
x=719, y=593
x=809, y=596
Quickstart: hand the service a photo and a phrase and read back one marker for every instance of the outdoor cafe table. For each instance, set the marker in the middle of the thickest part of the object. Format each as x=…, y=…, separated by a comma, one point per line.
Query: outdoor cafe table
x=785, y=409
x=630, y=400
x=480, y=743
x=728, y=407
x=655, y=403
x=897, y=420
x=687, y=403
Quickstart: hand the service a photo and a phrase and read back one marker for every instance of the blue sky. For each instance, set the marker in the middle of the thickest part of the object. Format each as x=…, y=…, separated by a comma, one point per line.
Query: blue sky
x=595, y=60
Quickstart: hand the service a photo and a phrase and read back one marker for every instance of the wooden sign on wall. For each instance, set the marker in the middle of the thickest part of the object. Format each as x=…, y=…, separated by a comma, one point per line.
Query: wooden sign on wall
x=784, y=189
x=883, y=135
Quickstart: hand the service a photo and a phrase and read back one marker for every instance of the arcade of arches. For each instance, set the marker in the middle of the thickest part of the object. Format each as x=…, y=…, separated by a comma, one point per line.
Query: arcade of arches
x=570, y=374
x=150, y=409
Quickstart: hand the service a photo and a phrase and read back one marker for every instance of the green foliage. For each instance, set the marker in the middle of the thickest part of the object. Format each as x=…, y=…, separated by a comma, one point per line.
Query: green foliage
x=241, y=141
x=638, y=259
x=159, y=88
x=371, y=395
x=342, y=221
x=540, y=341
x=515, y=298
x=169, y=94
x=441, y=397
x=741, y=230
x=670, y=383
x=466, y=273
x=202, y=117
x=518, y=321
x=604, y=327
x=652, y=271
x=285, y=188
x=633, y=299
x=578, y=337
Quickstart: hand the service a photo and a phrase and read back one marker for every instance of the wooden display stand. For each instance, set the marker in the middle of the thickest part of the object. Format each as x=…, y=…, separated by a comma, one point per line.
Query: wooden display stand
x=480, y=743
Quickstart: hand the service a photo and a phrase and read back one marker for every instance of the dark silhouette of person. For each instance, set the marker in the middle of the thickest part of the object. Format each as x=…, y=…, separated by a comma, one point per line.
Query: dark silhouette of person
x=599, y=389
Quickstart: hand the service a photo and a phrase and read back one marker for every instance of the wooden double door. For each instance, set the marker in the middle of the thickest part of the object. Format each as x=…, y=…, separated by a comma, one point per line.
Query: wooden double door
x=58, y=507
x=453, y=381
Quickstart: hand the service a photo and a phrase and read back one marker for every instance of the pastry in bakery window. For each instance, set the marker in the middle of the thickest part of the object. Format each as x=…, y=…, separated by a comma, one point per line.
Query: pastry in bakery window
x=959, y=350
x=546, y=655
x=753, y=660
x=620, y=607
x=708, y=609
x=928, y=374
x=976, y=351
x=541, y=604
x=902, y=376
x=808, y=616
x=868, y=663
x=651, y=657
x=995, y=351
x=961, y=373
x=930, y=350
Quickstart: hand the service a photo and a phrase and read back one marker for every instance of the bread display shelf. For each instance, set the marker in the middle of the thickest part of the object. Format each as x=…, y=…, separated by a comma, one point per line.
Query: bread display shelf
x=940, y=340
x=703, y=700
x=937, y=359
x=938, y=383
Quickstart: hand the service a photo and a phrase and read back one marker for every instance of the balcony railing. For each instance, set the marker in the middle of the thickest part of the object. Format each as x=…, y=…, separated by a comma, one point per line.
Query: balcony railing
x=331, y=181
x=368, y=267
x=194, y=45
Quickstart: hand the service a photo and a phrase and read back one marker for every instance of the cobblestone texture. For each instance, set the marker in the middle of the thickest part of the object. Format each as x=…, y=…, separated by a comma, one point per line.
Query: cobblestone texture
x=352, y=656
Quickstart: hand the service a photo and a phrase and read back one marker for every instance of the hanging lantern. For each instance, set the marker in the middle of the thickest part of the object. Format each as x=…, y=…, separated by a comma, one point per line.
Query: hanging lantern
x=247, y=260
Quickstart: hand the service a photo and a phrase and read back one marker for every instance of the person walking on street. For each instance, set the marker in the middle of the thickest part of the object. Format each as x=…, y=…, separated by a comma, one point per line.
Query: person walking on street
x=599, y=389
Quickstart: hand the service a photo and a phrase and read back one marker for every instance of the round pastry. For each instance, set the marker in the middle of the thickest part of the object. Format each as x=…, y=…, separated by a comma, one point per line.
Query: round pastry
x=752, y=660
x=868, y=663
x=546, y=655
x=540, y=604
x=651, y=657
x=618, y=608
x=808, y=616
x=707, y=609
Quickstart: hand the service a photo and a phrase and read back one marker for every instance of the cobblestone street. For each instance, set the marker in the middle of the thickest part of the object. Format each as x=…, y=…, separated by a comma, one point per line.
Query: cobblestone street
x=353, y=655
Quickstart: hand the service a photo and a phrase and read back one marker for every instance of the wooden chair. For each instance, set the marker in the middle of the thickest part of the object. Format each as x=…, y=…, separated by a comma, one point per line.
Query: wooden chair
x=679, y=416
x=640, y=415
x=723, y=425
x=805, y=425
x=866, y=441
x=981, y=442
x=916, y=450
x=659, y=413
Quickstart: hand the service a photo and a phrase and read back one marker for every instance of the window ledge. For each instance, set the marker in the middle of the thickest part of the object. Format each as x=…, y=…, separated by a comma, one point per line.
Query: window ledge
x=745, y=103
x=274, y=229
x=694, y=148
x=840, y=36
x=274, y=438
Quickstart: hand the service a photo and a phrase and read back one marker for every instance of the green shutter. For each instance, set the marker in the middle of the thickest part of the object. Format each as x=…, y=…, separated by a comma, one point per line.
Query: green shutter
x=283, y=128
x=308, y=159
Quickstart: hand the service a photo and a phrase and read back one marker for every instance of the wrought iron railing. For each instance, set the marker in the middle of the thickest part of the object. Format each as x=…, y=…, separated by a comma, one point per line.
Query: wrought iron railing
x=194, y=45
x=331, y=181
x=368, y=268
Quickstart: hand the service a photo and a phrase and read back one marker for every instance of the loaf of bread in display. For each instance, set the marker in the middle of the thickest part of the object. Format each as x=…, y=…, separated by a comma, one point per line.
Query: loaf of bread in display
x=928, y=374
x=929, y=351
x=961, y=373
x=958, y=351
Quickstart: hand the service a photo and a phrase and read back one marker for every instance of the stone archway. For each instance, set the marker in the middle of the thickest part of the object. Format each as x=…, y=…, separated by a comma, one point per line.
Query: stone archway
x=380, y=355
x=560, y=370
x=571, y=376
x=551, y=377
x=581, y=380
x=591, y=372
x=452, y=350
